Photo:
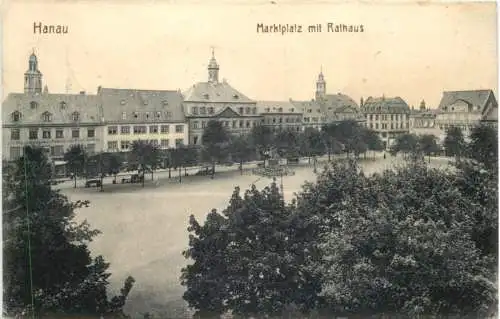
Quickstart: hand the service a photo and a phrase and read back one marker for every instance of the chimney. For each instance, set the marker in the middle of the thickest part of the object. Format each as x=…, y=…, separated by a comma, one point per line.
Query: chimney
x=82, y=92
x=99, y=89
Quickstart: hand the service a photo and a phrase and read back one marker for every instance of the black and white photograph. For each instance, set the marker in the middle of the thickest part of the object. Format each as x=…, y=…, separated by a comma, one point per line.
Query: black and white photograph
x=249, y=159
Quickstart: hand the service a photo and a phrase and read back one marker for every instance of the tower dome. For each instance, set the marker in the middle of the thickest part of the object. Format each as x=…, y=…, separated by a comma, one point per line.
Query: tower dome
x=213, y=70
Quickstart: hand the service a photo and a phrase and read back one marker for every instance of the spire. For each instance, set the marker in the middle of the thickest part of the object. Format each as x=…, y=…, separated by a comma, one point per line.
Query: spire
x=33, y=77
x=320, y=85
x=213, y=69
x=422, y=105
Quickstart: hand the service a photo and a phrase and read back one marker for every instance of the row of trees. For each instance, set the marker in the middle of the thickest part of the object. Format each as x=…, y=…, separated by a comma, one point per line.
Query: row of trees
x=219, y=146
x=412, y=242
x=48, y=271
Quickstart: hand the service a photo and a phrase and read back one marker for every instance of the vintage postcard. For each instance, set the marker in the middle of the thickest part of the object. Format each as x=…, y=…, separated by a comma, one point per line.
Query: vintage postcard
x=273, y=159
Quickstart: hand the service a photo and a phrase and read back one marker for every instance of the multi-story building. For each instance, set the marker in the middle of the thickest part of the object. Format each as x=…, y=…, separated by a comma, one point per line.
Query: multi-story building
x=423, y=121
x=389, y=117
x=336, y=107
x=312, y=115
x=214, y=100
x=280, y=115
x=51, y=121
x=153, y=116
x=465, y=109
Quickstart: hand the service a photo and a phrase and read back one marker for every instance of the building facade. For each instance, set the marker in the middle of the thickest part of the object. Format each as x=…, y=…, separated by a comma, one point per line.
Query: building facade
x=336, y=107
x=390, y=117
x=280, y=115
x=215, y=100
x=153, y=116
x=423, y=121
x=51, y=121
x=464, y=109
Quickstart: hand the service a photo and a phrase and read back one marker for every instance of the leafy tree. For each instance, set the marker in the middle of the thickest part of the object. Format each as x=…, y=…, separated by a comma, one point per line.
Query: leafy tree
x=248, y=259
x=262, y=138
x=390, y=246
x=311, y=144
x=428, y=144
x=406, y=144
x=75, y=158
x=183, y=156
x=48, y=268
x=454, y=142
x=241, y=150
x=373, y=140
x=215, y=140
x=146, y=156
x=483, y=146
x=287, y=144
x=330, y=139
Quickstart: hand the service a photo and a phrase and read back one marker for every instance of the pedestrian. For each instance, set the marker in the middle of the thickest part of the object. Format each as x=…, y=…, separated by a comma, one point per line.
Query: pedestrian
x=384, y=155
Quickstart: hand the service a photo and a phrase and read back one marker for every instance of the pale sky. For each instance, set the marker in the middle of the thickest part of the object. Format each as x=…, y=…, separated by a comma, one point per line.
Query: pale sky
x=408, y=50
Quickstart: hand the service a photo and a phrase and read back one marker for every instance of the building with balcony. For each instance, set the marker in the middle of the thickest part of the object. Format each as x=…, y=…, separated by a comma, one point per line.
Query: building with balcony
x=154, y=116
x=214, y=100
x=390, y=117
x=280, y=115
x=465, y=109
x=51, y=121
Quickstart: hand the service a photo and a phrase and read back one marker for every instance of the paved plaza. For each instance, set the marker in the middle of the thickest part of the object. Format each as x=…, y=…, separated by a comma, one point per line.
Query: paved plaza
x=144, y=230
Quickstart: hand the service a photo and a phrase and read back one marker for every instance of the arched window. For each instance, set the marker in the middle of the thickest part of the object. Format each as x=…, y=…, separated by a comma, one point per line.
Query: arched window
x=16, y=116
x=62, y=105
x=33, y=105
x=46, y=117
x=75, y=116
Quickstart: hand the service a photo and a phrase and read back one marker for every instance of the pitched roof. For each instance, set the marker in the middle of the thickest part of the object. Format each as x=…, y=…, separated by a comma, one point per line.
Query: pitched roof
x=273, y=107
x=338, y=102
x=215, y=92
x=87, y=106
x=141, y=105
x=474, y=97
x=305, y=106
x=386, y=105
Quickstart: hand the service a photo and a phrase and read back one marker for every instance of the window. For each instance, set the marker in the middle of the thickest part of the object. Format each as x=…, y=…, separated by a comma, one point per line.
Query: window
x=125, y=145
x=179, y=129
x=112, y=130
x=164, y=143
x=309, y=111
x=179, y=142
x=59, y=134
x=16, y=116
x=153, y=129
x=376, y=117
x=195, y=139
x=140, y=129
x=112, y=145
x=136, y=115
x=164, y=129
x=158, y=115
x=392, y=126
x=33, y=135
x=124, y=115
x=46, y=134
x=247, y=110
x=235, y=123
x=194, y=110
x=15, y=153
x=15, y=134
x=226, y=123
x=254, y=110
x=376, y=126
x=210, y=110
x=392, y=117
x=248, y=124
x=75, y=116
x=203, y=124
x=62, y=105
x=203, y=110
x=90, y=132
x=194, y=125
x=33, y=105
x=75, y=133
x=168, y=114
x=125, y=130
x=46, y=117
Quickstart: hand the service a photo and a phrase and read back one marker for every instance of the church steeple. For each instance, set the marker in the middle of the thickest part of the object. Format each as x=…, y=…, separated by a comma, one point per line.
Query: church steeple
x=320, y=85
x=33, y=77
x=213, y=70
